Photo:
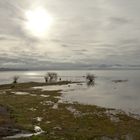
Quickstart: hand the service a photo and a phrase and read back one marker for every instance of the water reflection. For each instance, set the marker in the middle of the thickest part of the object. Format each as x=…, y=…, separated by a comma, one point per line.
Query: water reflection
x=121, y=94
x=90, y=83
x=90, y=80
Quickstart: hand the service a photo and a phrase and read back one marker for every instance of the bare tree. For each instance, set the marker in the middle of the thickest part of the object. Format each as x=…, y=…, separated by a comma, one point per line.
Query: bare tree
x=46, y=78
x=90, y=77
x=15, y=79
x=50, y=76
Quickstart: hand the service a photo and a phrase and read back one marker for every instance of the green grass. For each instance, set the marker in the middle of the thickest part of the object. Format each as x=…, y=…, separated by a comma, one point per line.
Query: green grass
x=91, y=123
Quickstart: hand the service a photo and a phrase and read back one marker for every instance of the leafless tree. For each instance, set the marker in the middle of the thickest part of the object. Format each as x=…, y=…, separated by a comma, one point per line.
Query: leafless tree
x=50, y=76
x=90, y=77
x=15, y=79
x=46, y=78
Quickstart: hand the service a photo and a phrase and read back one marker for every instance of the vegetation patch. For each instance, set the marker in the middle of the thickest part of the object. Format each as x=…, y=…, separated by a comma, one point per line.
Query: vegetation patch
x=59, y=120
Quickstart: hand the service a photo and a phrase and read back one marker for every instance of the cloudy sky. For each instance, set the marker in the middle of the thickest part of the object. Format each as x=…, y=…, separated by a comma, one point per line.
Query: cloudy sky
x=69, y=34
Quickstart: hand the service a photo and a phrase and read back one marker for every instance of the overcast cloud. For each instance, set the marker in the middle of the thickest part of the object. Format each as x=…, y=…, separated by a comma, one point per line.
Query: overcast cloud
x=84, y=33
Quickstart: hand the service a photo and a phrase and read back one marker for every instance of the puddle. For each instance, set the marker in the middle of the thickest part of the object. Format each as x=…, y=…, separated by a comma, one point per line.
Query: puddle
x=32, y=109
x=37, y=130
x=21, y=93
x=47, y=103
x=65, y=88
x=45, y=96
x=22, y=135
x=33, y=95
x=58, y=97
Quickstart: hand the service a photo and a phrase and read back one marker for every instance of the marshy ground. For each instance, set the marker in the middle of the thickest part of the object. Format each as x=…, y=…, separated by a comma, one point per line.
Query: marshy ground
x=22, y=108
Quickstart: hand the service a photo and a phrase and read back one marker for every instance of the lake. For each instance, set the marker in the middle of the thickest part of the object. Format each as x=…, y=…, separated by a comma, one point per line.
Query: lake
x=106, y=93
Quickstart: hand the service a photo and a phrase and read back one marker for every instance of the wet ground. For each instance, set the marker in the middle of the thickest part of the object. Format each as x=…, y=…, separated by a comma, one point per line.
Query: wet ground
x=95, y=93
x=39, y=111
x=7, y=125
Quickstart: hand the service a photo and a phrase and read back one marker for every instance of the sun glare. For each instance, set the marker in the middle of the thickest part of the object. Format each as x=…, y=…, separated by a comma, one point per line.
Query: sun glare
x=38, y=22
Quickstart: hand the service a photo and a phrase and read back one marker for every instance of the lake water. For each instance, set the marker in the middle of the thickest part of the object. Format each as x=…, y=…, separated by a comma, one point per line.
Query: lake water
x=105, y=93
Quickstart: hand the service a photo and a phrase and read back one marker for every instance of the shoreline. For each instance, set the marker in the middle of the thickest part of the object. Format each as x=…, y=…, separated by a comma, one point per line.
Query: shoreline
x=24, y=107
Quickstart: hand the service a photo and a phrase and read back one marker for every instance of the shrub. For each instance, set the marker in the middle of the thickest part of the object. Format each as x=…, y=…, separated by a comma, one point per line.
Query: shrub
x=15, y=79
x=50, y=76
x=90, y=77
x=46, y=78
x=90, y=80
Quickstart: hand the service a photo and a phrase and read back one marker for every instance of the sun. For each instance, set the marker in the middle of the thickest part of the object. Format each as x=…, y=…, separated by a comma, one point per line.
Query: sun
x=38, y=22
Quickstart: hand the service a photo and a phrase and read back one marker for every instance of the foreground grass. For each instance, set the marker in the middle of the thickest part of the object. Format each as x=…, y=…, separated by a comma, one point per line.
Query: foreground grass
x=68, y=121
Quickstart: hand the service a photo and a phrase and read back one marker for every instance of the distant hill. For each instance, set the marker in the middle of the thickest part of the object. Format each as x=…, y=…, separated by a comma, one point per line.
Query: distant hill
x=12, y=69
x=83, y=67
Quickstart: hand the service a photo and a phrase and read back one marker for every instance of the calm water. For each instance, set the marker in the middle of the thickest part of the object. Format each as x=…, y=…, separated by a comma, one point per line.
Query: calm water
x=124, y=95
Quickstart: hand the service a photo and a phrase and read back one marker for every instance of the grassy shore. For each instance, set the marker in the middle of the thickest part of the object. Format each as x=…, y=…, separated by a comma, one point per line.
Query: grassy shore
x=19, y=113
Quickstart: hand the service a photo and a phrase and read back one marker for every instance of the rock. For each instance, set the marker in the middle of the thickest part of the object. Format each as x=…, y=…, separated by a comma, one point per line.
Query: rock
x=39, y=119
x=37, y=129
x=55, y=106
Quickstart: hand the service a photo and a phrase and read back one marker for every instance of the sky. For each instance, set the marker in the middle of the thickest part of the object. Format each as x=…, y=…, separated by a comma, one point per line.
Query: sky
x=69, y=34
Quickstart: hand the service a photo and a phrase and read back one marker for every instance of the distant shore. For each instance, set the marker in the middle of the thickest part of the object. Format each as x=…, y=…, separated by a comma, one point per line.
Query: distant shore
x=87, y=69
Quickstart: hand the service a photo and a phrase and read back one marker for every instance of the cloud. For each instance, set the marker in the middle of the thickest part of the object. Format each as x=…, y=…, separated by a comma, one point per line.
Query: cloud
x=3, y=38
x=85, y=33
x=119, y=20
